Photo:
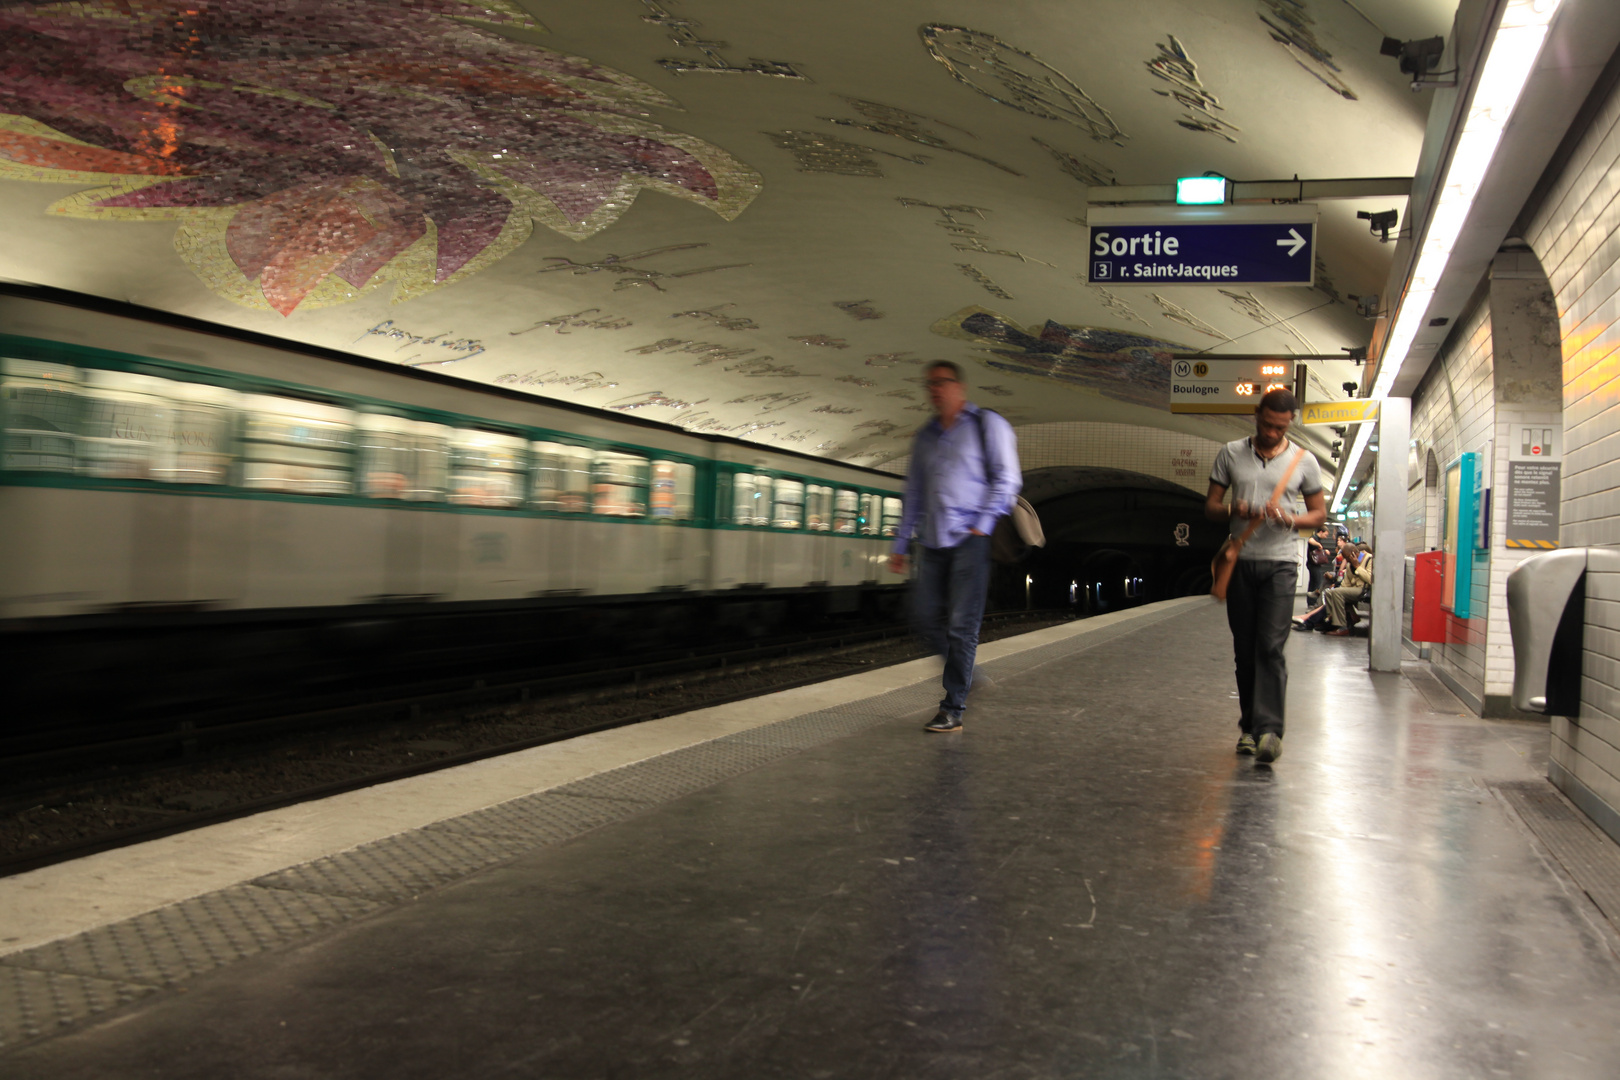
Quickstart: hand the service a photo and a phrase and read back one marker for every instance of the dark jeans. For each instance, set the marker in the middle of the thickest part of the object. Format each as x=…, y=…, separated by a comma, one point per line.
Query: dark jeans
x=947, y=605
x=1314, y=573
x=1259, y=607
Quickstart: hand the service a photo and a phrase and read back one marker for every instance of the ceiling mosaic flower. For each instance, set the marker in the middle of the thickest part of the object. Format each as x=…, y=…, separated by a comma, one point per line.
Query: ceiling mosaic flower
x=313, y=148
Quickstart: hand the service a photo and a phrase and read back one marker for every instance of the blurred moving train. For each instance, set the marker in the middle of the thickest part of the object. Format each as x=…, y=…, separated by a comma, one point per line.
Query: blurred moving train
x=192, y=510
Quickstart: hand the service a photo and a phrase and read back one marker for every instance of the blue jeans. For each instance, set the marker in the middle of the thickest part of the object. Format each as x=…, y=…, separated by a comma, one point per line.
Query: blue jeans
x=947, y=605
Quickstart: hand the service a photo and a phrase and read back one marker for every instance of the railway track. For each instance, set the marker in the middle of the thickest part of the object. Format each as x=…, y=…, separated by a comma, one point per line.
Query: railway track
x=88, y=790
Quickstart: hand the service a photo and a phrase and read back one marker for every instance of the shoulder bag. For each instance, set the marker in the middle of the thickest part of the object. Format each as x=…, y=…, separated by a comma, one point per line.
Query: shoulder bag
x=1017, y=531
x=1226, y=556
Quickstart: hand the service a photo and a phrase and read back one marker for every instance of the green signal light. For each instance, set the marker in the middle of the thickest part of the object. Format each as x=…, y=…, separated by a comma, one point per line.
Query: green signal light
x=1201, y=190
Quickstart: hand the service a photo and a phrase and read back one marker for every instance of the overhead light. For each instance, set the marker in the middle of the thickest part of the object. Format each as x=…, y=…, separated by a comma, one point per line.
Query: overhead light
x=1513, y=54
x=1201, y=191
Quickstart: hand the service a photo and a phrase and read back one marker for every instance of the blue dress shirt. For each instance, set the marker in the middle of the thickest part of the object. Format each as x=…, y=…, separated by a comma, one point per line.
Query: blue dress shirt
x=947, y=492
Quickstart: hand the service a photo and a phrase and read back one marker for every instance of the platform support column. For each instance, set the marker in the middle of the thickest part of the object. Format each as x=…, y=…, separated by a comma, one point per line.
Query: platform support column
x=1389, y=533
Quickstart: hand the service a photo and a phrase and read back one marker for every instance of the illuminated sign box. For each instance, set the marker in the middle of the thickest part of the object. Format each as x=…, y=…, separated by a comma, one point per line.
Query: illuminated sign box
x=1225, y=384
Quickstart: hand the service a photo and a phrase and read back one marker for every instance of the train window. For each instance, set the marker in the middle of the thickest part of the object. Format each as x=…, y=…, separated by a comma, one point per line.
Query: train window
x=673, y=486
x=41, y=404
x=562, y=477
x=750, y=492
x=486, y=468
x=787, y=504
x=124, y=419
x=297, y=446
x=818, y=505
x=846, y=512
x=891, y=516
x=403, y=459
x=199, y=434
x=619, y=484
x=870, y=512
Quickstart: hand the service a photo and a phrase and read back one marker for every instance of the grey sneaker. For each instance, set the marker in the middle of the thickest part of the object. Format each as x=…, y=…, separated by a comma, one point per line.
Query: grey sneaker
x=1245, y=744
x=944, y=721
x=1268, y=749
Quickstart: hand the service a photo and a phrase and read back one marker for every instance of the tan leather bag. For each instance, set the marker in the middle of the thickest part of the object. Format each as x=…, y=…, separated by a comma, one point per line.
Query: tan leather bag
x=1226, y=556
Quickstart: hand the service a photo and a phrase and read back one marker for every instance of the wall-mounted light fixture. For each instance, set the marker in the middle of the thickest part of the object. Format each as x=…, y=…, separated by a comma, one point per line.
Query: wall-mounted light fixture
x=1514, y=49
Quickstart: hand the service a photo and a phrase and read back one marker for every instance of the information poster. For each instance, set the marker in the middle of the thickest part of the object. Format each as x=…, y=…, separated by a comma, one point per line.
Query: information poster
x=1533, y=490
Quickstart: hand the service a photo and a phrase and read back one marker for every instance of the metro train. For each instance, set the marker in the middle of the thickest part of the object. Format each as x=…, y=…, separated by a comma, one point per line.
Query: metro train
x=181, y=499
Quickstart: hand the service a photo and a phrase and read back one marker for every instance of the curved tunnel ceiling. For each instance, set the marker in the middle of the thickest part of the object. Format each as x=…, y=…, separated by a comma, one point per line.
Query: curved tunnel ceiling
x=755, y=218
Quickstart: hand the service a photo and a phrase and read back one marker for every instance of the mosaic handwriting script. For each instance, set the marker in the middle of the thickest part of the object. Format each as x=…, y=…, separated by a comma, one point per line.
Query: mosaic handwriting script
x=964, y=236
x=589, y=319
x=1175, y=66
x=311, y=149
x=1021, y=80
x=1291, y=27
x=713, y=316
x=462, y=348
x=683, y=32
x=904, y=124
x=818, y=153
x=1088, y=172
x=631, y=276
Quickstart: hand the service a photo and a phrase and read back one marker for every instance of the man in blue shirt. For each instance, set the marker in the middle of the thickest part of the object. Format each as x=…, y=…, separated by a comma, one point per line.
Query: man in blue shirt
x=964, y=475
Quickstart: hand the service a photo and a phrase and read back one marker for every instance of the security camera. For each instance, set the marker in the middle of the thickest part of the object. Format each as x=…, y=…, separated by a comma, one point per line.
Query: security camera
x=1417, y=58
x=1350, y=388
x=1380, y=223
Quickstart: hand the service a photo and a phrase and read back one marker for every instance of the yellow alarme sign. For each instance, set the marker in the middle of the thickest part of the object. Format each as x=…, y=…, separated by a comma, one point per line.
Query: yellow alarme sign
x=1355, y=411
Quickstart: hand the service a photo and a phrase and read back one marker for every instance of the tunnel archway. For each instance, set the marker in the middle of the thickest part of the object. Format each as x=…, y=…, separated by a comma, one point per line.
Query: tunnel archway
x=1115, y=539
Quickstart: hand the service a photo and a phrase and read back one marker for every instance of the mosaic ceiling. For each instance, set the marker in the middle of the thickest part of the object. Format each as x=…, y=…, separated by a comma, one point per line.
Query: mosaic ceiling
x=756, y=218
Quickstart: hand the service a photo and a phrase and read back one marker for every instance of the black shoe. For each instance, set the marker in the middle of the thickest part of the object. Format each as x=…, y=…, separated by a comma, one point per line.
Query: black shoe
x=944, y=721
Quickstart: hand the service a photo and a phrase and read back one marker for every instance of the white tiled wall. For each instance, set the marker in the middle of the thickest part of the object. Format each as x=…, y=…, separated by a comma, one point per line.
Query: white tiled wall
x=1453, y=411
x=1576, y=234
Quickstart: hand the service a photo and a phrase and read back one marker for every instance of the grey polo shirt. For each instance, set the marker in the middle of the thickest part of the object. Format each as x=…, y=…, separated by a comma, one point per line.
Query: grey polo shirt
x=1249, y=477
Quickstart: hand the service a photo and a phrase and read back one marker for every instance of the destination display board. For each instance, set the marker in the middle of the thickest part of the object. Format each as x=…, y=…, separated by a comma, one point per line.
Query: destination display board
x=1223, y=385
x=1202, y=245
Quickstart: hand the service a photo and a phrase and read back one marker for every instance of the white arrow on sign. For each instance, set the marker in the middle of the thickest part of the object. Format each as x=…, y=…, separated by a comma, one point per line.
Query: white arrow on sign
x=1298, y=241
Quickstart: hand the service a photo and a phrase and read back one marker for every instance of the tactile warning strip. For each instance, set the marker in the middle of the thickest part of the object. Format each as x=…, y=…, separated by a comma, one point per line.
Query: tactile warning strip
x=43, y=990
x=398, y=868
x=546, y=817
x=1590, y=857
x=172, y=944
x=35, y=1003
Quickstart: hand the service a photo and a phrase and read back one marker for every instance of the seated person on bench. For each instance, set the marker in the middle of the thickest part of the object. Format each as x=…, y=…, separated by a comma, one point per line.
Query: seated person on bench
x=1356, y=587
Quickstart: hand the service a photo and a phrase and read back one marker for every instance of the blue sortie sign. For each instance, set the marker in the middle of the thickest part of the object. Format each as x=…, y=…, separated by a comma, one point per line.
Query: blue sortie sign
x=1198, y=253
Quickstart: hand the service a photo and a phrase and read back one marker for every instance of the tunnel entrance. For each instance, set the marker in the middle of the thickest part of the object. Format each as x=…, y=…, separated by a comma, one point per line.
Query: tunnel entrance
x=1114, y=540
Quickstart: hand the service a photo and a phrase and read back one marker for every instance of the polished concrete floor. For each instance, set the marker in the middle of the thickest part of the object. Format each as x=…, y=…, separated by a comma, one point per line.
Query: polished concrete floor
x=1086, y=882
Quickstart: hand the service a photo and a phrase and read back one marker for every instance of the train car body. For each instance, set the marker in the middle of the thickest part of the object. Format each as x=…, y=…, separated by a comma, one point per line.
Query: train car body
x=159, y=469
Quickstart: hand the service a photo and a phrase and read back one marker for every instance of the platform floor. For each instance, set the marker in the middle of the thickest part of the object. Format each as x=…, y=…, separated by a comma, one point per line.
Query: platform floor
x=1085, y=882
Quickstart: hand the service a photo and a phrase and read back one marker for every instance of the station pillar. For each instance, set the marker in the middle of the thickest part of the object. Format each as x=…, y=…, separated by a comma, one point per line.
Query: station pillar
x=1389, y=534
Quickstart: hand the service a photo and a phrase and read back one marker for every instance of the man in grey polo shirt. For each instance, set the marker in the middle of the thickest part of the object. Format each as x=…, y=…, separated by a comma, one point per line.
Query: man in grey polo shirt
x=1260, y=598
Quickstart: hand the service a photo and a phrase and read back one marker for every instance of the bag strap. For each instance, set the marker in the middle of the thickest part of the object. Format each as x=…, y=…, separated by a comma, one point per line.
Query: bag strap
x=1276, y=496
x=984, y=447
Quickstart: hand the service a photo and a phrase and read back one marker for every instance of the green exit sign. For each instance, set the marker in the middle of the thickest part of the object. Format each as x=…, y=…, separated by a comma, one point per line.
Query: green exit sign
x=1201, y=190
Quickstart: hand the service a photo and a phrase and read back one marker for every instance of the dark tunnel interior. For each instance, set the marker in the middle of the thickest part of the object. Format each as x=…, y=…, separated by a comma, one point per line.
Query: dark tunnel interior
x=1114, y=539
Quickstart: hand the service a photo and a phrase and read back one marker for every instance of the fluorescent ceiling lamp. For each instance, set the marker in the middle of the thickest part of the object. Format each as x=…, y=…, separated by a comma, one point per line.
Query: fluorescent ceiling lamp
x=1201, y=190
x=1513, y=55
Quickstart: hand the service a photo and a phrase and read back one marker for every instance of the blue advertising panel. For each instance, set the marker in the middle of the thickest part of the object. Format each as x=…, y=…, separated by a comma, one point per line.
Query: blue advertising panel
x=1226, y=245
x=1460, y=523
